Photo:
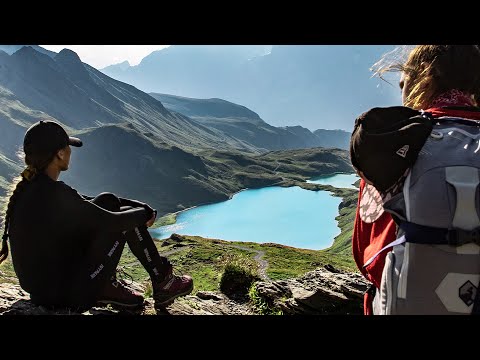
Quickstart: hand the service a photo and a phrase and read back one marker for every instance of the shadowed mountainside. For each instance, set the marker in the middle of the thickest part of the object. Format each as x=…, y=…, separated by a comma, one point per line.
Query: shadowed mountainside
x=80, y=96
x=130, y=164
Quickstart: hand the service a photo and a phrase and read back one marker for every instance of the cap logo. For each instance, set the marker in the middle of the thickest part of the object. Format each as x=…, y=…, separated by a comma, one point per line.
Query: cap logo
x=403, y=151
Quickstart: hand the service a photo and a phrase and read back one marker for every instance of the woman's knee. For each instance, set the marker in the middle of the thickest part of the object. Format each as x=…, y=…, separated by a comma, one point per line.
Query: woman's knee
x=107, y=201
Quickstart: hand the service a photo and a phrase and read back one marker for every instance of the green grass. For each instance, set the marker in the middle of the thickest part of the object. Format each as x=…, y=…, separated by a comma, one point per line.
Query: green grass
x=260, y=305
x=165, y=220
x=288, y=262
x=342, y=244
x=203, y=259
x=206, y=259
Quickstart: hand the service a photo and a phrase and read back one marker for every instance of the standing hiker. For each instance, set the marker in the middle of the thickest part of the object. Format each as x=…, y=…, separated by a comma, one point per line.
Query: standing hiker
x=440, y=84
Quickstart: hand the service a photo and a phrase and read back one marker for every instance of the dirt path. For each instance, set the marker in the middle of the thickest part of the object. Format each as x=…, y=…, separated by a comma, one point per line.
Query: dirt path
x=263, y=264
x=276, y=173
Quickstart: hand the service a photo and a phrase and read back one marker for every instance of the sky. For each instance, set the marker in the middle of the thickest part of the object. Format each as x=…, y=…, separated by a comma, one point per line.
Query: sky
x=100, y=56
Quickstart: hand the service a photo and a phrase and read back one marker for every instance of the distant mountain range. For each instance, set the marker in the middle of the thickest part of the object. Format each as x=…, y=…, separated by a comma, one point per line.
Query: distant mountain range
x=241, y=123
x=314, y=86
x=187, y=152
x=10, y=49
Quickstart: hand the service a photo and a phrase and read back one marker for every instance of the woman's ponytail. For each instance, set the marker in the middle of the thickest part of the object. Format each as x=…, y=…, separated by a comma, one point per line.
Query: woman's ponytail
x=26, y=176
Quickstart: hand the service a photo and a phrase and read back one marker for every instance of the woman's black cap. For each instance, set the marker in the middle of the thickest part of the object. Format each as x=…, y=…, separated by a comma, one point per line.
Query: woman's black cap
x=47, y=137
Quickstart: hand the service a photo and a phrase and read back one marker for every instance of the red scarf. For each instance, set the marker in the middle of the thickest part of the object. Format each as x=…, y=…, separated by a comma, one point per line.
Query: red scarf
x=454, y=98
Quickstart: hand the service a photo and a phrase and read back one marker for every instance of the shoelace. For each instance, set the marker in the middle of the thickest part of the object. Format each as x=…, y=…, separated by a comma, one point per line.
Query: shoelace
x=177, y=273
x=173, y=276
x=122, y=274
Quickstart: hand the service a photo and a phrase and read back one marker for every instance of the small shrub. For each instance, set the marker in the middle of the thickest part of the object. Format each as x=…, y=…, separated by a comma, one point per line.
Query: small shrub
x=238, y=276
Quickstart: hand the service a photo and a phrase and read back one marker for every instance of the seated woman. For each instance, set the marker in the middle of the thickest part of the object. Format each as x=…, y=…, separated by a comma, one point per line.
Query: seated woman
x=66, y=246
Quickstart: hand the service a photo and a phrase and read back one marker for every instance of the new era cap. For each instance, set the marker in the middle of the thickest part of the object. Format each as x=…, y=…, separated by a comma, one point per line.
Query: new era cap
x=47, y=137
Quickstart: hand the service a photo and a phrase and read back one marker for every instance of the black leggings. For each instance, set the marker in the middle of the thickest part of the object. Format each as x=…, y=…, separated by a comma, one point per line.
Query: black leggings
x=103, y=255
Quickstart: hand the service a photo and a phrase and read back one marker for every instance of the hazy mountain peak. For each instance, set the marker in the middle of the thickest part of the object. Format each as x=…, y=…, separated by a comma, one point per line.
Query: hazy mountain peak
x=213, y=107
x=73, y=67
x=120, y=66
x=67, y=54
x=25, y=50
x=316, y=86
x=27, y=54
x=10, y=49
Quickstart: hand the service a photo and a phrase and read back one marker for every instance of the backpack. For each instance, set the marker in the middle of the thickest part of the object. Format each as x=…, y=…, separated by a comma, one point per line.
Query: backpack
x=433, y=266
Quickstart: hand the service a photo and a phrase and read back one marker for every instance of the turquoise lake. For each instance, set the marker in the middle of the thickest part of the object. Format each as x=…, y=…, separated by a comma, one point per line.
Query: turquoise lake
x=339, y=180
x=289, y=216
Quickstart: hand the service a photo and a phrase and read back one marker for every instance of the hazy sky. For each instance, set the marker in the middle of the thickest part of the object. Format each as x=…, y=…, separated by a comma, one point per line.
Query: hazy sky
x=100, y=56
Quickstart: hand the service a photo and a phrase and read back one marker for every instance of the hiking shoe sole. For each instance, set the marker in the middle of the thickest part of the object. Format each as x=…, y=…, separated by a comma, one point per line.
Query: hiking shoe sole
x=120, y=305
x=164, y=304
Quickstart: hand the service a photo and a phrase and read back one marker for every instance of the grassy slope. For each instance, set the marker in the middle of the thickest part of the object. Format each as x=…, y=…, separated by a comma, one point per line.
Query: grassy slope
x=204, y=258
x=342, y=243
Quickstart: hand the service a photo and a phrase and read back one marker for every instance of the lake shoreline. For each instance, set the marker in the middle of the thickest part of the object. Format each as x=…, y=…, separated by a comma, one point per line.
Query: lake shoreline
x=230, y=196
x=338, y=192
x=331, y=174
x=176, y=213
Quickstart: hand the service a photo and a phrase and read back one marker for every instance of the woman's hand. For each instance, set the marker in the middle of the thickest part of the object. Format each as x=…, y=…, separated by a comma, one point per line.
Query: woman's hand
x=152, y=220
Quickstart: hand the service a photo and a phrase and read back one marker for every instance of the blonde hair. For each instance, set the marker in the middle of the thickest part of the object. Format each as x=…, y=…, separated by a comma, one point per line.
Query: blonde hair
x=433, y=70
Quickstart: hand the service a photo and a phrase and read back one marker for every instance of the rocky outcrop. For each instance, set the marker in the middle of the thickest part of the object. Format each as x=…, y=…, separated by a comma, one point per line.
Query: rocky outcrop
x=15, y=301
x=319, y=292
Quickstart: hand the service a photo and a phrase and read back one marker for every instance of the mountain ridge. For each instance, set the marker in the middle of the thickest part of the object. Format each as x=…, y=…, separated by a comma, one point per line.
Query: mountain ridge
x=10, y=49
x=315, y=86
x=80, y=96
x=245, y=124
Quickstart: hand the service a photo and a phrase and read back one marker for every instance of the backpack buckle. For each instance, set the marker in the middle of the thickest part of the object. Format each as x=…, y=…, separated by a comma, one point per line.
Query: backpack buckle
x=475, y=234
x=459, y=237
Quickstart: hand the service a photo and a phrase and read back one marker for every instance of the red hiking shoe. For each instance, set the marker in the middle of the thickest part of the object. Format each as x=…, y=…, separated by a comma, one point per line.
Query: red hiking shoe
x=173, y=286
x=118, y=293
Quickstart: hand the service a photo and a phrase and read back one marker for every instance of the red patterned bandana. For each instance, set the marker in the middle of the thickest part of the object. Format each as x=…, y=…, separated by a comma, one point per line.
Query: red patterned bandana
x=371, y=205
x=452, y=97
